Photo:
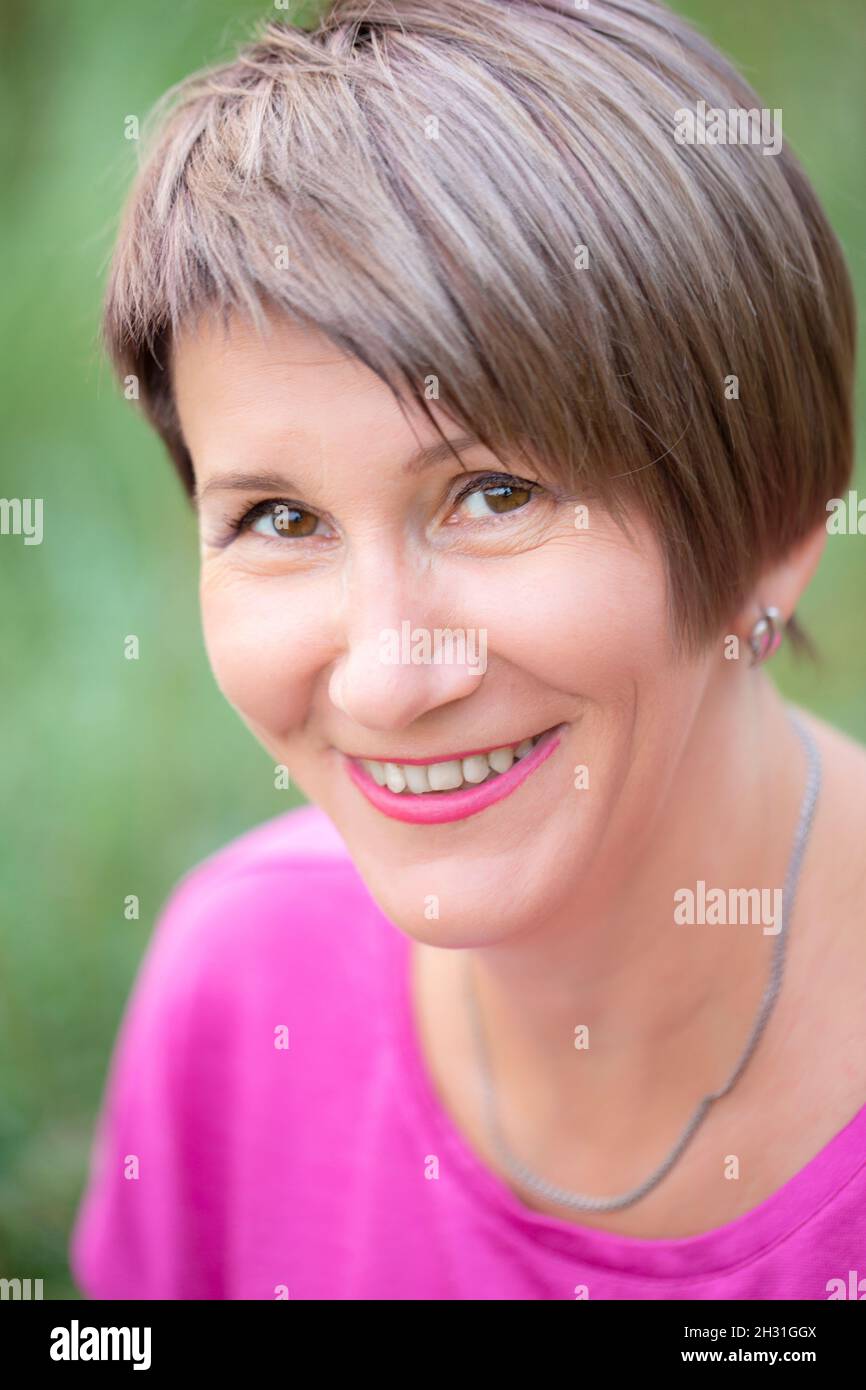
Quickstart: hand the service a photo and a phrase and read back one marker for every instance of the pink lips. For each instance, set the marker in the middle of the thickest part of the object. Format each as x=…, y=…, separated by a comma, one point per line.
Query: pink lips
x=436, y=808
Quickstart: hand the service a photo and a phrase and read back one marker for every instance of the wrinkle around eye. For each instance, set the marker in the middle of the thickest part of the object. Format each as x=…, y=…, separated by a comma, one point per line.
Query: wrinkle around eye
x=539, y=514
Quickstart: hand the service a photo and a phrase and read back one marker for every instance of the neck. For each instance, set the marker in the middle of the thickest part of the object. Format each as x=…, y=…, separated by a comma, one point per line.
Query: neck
x=655, y=997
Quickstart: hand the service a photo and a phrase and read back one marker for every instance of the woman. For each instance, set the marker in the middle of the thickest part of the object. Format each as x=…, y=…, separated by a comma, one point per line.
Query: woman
x=511, y=398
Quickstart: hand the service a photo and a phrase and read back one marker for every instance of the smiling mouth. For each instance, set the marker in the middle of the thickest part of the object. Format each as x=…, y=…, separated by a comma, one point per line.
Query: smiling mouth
x=462, y=772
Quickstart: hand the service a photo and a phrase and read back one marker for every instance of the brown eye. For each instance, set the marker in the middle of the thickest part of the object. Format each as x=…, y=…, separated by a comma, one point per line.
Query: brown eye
x=496, y=497
x=283, y=519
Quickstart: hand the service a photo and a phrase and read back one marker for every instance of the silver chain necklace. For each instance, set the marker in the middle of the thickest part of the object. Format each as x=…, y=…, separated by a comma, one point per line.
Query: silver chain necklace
x=578, y=1201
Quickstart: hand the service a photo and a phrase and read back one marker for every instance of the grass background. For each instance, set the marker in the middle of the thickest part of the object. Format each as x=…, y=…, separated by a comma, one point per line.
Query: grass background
x=118, y=775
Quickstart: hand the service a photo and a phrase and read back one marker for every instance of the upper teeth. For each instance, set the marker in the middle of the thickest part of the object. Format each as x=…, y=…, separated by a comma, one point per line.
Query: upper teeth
x=448, y=776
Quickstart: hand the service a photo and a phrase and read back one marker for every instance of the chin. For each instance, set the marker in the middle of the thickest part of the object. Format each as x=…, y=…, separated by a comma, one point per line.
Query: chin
x=464, y=900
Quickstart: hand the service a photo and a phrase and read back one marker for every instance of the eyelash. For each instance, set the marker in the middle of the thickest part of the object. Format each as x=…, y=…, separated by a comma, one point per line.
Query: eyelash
x=491, y=480
x=244, y=520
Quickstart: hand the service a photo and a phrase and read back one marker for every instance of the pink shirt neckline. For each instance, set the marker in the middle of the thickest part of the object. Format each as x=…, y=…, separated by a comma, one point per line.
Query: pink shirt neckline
x=718, y=1251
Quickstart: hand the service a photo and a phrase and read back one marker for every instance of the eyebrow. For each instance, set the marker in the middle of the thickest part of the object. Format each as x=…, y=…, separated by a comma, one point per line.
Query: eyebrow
x=426, y=457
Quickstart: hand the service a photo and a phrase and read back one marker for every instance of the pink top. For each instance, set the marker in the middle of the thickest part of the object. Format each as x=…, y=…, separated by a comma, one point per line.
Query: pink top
x=226, y=1166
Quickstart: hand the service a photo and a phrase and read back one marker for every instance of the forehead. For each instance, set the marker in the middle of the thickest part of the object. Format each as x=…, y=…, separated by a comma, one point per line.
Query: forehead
x=289, y=396
x=237, y=387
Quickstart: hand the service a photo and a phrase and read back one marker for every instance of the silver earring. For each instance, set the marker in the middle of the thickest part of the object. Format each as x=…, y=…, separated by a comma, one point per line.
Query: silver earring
x=766, y=635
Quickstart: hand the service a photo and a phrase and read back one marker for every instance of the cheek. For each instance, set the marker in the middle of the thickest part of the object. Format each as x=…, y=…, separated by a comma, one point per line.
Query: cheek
x=265, y=647
x=584, y=616
x=587, y=618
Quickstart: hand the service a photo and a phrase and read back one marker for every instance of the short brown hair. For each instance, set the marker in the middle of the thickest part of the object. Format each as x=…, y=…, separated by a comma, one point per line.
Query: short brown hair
x=414, y=179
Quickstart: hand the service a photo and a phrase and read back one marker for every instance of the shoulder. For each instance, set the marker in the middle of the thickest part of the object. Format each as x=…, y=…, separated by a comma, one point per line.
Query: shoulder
x=278, y=883
x=827, y=952
x=297, y=843
x=270, y=937
x=836, y=843
x=278, y=914
x=842, y=803
x=837, y=747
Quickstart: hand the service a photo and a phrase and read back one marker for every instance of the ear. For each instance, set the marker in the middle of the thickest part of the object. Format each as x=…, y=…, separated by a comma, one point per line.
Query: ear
x=782, y=584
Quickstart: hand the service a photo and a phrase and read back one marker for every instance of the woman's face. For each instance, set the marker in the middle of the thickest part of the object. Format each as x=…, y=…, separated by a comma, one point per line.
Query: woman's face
x=329, y=563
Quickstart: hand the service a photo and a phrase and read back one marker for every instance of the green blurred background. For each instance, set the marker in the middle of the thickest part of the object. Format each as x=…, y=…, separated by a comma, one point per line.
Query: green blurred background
x=119, y=775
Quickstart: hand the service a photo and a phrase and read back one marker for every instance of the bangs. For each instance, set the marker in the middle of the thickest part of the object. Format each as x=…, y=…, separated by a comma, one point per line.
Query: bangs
x=485, y=204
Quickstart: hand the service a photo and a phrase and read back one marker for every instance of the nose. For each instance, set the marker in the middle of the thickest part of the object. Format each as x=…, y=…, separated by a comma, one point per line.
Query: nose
x=403, y=657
